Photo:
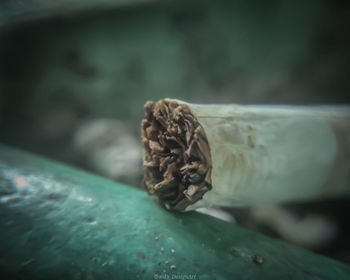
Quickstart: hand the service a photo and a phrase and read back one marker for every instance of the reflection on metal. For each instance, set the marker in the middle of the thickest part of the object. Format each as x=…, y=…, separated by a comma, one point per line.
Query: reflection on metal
x=17, y=11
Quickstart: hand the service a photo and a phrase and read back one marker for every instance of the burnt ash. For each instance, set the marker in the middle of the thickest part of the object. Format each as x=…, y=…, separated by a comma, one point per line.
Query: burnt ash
x=177, y=161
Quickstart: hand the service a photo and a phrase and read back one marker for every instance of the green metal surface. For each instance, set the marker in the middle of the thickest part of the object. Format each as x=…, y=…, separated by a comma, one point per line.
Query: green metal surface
x=17, y=11
x=60, y=223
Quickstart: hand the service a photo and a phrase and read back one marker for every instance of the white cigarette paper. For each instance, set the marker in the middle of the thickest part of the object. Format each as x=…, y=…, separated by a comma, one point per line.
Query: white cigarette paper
x=256, y=154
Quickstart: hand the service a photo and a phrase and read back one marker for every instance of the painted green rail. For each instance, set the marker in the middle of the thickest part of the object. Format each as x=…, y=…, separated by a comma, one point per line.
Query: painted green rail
x=60, y=223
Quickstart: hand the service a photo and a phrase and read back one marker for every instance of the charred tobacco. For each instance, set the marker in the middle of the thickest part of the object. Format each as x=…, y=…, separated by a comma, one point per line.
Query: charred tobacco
x=177, y=158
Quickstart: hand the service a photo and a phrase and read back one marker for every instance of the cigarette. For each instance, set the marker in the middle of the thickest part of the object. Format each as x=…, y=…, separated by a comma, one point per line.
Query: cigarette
x=242, y=155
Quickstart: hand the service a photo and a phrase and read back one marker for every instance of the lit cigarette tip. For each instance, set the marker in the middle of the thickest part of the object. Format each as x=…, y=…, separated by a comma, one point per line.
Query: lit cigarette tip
x=250, y=154
x=177, y=158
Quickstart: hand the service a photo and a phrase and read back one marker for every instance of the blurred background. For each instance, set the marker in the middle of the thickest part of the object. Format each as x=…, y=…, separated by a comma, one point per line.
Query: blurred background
x=74, y=76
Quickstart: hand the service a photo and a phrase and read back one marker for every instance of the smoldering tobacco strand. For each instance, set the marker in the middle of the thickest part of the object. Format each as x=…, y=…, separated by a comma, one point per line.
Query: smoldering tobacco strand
x=177, y=158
